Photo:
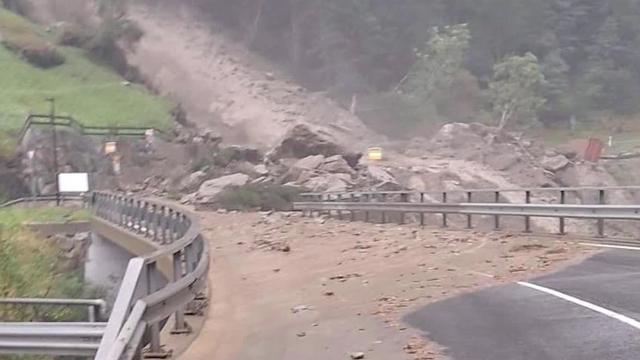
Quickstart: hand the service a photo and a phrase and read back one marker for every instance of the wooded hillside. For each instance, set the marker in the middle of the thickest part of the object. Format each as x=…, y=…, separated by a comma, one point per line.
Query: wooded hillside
x=587, y=50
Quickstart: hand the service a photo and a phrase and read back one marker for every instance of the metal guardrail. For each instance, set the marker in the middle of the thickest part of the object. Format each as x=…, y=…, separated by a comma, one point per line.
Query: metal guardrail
x=382, y=204
x=97, y=308
x=43, y=198
x=71, y=339
x=70, y=122
x=141, y=308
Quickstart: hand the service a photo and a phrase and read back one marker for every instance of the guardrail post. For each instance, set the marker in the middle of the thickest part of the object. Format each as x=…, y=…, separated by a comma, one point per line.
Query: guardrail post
x=469, y=219
x=353, y=213
x=92, y=313
x=563, y=200
x=601, y=201
x=155, y=348
x=384, y=213
x=496, y=218
x=163, y=224
x=404, y=197
x=527, y=219
x=422, y=213
x=366, y=213
x=180, y=325
x=339, y=198
x=444, y=214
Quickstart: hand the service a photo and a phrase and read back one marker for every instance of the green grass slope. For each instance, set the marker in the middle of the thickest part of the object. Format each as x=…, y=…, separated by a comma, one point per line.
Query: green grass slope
x=91, y=93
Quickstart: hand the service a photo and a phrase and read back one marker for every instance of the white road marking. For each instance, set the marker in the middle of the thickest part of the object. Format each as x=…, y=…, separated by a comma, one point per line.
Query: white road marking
x=612, y=314
x=612, y=246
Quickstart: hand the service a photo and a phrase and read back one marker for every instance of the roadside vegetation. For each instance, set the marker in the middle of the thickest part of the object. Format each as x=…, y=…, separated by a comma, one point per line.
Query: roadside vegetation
x=94, y=94
x=258, y=197
x=30, y=266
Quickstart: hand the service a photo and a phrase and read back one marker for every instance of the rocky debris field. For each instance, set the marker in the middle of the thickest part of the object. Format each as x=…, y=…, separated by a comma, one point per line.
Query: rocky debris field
x=318, y=288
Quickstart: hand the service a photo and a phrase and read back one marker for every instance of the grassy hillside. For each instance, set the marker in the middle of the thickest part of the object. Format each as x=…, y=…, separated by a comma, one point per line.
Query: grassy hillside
x=91, y=93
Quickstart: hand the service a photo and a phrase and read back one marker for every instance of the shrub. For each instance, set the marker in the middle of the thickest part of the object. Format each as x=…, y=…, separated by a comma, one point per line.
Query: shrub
x=262, y=197
x=18, y=36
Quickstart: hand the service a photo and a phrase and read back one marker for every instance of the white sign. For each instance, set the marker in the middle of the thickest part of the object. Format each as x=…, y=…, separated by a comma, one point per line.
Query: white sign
x=73, y=182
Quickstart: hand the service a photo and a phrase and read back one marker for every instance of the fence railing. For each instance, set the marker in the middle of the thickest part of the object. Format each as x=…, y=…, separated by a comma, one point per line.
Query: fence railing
x=589, y=203
x=150, y=293
x=141, y=308
x=69, y=122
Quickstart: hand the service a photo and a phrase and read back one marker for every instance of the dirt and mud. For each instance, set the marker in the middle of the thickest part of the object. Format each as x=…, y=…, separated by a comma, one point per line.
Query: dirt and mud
x=287, y=287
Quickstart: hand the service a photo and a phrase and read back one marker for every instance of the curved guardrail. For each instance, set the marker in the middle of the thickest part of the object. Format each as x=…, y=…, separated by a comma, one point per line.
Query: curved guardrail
x=141, y=307
x=489, y=202
x=156, y=286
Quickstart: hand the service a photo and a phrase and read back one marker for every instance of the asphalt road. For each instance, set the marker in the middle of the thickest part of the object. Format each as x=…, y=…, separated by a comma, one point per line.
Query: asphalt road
x=514, y=322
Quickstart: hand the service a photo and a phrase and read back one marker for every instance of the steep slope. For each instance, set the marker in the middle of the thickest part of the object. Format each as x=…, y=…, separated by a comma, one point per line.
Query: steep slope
x=224, y=87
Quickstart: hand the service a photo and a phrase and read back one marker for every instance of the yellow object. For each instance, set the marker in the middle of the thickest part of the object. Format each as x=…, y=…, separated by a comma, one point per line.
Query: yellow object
x=110, y=148
x=375, y=153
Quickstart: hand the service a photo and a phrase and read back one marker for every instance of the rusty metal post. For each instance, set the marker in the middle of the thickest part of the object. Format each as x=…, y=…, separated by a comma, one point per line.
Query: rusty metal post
x=496, y=218
x=563, y=200
x=444, y=214
x=469, y=220
x=601, y=201
x=527, y=219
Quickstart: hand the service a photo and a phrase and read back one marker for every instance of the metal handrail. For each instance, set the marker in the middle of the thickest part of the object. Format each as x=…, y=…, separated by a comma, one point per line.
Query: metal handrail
x=140, y=308
x=176, y=234
x=70, y=122
x=97, y=307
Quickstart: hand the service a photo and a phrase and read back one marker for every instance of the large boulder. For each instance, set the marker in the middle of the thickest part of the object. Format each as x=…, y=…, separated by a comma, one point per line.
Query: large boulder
x=554, y=163
x=211, y=188
x=336, y=164
x=301, y=142
x=329, y=182
x=192, y=181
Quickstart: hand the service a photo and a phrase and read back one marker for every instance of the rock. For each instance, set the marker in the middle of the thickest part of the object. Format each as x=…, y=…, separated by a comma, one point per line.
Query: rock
x=416, y=184
x=211, y=188
x=310, y=162
x=336, y=164
x=381, y=178
x=306, y=166
x=329, y=182
x=301, y=334
x=193, y=181
x=300, y=142
x=261, y=169
x=300, y=308
x=503, y=161
x=357, y=355
x=554, y=163
x=240, y=153
x=189, y=198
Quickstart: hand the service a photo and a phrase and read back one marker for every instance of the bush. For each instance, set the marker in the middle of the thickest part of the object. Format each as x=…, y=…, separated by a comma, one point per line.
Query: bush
x=18, y=36
x=262, y=197
x=74, y=35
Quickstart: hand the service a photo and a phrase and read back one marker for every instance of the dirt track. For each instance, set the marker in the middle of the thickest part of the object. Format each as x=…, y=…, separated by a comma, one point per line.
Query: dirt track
x=286, y=287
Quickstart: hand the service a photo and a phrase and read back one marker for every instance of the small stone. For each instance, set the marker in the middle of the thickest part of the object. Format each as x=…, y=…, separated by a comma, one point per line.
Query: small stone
x=301, y=334
x=299, y=308
x=328, y=293
x=357, y=355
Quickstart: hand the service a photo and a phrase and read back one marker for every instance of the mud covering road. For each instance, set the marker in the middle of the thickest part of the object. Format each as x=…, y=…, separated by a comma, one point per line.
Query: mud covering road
x=286, y=287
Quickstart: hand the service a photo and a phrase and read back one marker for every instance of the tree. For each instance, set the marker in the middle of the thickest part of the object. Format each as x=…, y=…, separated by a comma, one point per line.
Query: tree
x=516, y=89
x=438, y=64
